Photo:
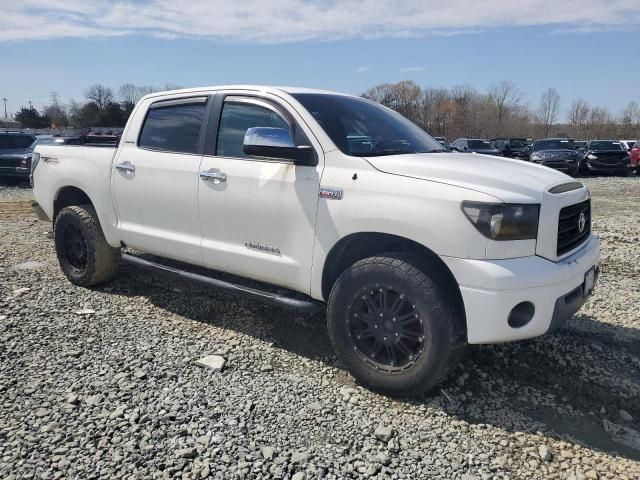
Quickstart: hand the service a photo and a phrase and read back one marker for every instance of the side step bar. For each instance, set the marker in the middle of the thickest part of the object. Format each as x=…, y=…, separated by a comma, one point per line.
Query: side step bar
x=307, y=306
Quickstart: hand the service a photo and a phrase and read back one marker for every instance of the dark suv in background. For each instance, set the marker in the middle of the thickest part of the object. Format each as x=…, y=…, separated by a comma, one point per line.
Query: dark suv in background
x=558, y=153
x=606, y=156
x=475, y=145
x=513, y=147
x=15, y=155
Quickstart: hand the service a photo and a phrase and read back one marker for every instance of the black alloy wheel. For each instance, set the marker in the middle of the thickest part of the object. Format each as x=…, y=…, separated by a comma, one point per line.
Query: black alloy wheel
x=386, y=329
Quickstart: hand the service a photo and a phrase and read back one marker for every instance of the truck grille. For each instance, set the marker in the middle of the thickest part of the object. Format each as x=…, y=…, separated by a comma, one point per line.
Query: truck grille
x=569, y=234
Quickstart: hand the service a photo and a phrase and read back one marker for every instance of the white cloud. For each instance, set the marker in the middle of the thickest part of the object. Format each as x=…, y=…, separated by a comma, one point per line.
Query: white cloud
x=363, y=69
x=411, y=69
x=299, y=20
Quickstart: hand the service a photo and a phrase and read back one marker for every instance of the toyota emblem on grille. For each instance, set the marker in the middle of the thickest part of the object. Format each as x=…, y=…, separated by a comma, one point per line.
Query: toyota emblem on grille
x=582, y=222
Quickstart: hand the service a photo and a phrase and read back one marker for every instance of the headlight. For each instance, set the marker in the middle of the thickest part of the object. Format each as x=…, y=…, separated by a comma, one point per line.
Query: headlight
x=503, y=221
x=591, y=156
x=536, y=157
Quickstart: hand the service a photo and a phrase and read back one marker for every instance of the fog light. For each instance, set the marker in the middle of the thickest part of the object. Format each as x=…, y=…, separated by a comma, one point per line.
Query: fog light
x=521, y=314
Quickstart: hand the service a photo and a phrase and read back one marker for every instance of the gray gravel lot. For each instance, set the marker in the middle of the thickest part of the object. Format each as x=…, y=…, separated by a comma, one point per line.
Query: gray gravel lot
x=103, y=382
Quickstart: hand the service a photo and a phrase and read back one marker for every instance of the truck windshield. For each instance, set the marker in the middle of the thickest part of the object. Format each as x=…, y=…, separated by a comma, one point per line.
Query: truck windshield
x=364, y=128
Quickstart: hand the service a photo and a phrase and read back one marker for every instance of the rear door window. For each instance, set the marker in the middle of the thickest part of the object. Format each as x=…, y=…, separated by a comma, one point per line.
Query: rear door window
x=174, y=127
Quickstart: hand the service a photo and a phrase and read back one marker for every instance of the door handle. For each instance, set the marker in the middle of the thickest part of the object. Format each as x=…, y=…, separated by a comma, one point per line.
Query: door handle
x=126, y=167
x=217, y=177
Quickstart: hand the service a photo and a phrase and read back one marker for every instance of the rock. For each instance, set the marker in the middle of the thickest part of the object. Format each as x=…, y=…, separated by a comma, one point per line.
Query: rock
x=29, y=265
x=19, y=291
x=626, y=416
x=3, y=317
x=140, y=374
x=212, y=362
x=545, y=453
x=592, y=475
x=42, y=412
x=187, y=453
x=118, y=412
x=300, y=458
x=267, y=452
x=299, y=476
x=383, y=433
x=266, y=368
x=85, y=311
x=383, y=458
x=73, y=399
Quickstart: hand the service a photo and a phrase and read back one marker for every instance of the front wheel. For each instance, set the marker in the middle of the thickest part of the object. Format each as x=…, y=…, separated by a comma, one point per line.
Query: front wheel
x=83, y=253
x=393, y=326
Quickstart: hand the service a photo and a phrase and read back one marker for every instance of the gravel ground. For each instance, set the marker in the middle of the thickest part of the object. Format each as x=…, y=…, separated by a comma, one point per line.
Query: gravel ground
x=103, y=382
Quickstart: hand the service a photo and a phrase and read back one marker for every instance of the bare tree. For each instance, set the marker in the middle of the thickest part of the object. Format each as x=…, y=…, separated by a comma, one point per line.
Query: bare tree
x=548, y=110
x=129, y=93
x=502, y=98
x=100, y=95
x=578, y=117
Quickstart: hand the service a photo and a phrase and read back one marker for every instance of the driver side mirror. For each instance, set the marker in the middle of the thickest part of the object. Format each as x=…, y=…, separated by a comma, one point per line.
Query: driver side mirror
x=277, y=143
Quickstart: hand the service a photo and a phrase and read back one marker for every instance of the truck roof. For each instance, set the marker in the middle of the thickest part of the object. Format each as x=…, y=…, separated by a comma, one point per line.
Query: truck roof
x=258, y=88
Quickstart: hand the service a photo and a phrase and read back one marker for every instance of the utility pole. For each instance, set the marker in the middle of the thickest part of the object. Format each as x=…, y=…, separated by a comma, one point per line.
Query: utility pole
x=54, y=99
x=30, y=105
x=5, y=106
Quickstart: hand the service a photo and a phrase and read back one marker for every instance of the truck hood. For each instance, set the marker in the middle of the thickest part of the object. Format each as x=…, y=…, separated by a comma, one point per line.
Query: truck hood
x=506, y=179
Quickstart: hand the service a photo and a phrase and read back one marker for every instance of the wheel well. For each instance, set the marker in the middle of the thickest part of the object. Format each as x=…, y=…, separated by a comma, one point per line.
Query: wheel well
x=68, y=196
x=357, y=246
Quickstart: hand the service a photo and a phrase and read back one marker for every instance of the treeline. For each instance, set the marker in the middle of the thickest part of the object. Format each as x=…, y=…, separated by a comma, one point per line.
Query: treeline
x=102, y=107
x=460, y=111
x=463, y=111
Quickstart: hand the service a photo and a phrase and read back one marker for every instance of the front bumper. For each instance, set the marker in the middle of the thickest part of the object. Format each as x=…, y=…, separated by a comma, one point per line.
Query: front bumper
x=563, y=165
x=605, y=167
x=492, y=288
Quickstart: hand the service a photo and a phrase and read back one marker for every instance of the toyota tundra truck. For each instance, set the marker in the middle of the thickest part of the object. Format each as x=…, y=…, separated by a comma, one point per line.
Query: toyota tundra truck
x=318, y=200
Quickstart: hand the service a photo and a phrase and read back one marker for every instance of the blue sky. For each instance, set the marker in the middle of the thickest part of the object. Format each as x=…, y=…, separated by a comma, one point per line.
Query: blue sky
x=598, y=61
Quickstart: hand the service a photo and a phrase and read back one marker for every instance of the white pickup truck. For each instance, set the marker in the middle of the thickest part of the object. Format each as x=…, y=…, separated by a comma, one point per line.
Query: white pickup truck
x=329, y=199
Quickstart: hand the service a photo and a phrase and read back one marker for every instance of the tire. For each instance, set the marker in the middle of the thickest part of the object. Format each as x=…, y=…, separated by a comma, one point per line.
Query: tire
x=83, y=253
x=396, y=276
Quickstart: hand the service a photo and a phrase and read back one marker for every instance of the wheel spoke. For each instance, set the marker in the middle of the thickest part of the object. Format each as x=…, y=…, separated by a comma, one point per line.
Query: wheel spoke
x=382, y=296
x=391, y=353
x=410, y=317
x=366, y=333
x=397, y=304
x=367, y=300
x=403, y=348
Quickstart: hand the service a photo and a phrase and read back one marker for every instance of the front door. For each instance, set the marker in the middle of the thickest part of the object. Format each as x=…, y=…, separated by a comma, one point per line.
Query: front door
x=156, y=181
x=258, y=215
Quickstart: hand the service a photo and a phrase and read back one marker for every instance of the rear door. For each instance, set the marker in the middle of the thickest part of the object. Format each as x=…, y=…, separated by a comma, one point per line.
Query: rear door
x=155, y=182
x=258, y=216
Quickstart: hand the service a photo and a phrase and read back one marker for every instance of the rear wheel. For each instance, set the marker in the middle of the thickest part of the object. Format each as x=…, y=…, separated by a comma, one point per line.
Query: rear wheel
x=83, y=253
x=393, y=326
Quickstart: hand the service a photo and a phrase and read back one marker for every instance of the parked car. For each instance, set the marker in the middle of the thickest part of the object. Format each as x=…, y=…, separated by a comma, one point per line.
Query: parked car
x=54, y=140
x=628, y=144
x=15, y=155
x=513, y=147
x=634, y=160
x=444, y=142
x=557, y=153
x=475, y=145
x=413, y=251
x=580, y=145
x=606, y=156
